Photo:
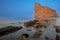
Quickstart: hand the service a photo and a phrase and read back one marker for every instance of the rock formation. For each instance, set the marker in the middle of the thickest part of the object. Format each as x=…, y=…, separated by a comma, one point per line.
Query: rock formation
x=9, y=29
x=43, y=14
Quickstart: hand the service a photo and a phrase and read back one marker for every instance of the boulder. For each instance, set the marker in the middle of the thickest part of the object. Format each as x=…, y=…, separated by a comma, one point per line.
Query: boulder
x=23, y=37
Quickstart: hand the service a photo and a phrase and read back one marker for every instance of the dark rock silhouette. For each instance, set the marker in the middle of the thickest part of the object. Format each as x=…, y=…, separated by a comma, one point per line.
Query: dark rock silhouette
x=46, y=38
x=57, y=29
x=57, y=37
x=23, y=37
x=8, y=29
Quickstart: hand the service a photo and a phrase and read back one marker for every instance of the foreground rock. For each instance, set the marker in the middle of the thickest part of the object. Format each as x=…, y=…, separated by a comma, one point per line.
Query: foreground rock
x=23, y=37
x=57, y=37
x=37, y=34
x=8, y=29
x=46, y=38
x=57, y=29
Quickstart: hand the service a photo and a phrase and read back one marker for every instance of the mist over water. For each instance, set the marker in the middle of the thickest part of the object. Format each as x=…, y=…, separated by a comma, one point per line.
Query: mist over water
x=50, y=31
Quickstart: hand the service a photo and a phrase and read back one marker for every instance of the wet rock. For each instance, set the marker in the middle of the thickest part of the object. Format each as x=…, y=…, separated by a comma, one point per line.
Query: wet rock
x=44, y=26
x=40, y=32
x=57, y=37
x=23, y=37
x=57, y=30
x=26, y=35
x=8, y=29
x=30, y=23
x=37, y=34
x=37, y=25
x=46, y=38
x=27, y=24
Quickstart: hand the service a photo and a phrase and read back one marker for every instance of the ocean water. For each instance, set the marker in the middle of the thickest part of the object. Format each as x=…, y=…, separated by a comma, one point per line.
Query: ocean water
x=50, y=31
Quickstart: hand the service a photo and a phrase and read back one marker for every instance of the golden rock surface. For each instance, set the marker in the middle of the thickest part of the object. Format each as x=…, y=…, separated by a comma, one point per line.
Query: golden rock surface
x=42, y=13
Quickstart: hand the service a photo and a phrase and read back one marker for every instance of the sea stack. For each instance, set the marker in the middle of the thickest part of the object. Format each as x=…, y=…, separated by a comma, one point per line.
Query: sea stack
x=44, y=14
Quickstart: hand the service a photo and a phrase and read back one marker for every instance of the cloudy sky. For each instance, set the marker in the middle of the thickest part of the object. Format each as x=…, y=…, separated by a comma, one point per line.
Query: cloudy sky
x=24, y=8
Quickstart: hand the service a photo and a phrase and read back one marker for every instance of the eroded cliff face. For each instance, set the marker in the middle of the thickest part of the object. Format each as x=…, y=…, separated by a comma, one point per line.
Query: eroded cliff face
x=43, y=12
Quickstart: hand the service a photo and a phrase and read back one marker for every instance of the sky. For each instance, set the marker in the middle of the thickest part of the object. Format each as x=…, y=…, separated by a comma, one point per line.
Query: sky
x=24, y=8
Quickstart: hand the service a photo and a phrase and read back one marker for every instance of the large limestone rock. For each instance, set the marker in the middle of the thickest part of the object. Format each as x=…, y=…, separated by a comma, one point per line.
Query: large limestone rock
x=43, y=13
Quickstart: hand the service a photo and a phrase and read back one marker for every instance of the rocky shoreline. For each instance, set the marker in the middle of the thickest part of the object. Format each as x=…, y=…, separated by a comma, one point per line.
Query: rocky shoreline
x=8, y=30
